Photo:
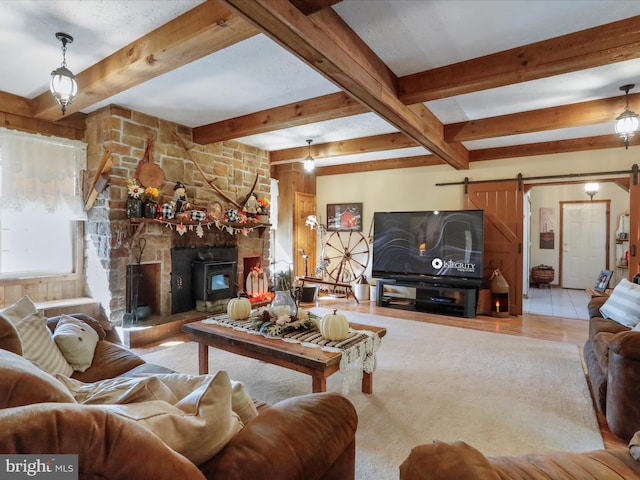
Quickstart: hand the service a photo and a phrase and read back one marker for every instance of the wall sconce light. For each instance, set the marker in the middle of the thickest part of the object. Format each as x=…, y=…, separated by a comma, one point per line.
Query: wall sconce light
x=627, y=122
x=309, y=162
x=63, y=83
x=591, y=189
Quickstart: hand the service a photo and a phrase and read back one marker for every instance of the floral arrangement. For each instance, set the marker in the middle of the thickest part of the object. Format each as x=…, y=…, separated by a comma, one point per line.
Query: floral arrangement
x=263, y=206
x=272, y=322
x=150, y=194
x=134, y=188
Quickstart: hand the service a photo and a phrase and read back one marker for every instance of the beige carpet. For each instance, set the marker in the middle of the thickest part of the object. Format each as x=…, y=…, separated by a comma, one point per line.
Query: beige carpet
x=504, y=395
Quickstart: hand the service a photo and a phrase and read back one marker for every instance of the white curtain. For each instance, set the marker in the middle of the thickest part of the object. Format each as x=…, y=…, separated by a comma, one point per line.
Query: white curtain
x=273, y=214
x=41, y=173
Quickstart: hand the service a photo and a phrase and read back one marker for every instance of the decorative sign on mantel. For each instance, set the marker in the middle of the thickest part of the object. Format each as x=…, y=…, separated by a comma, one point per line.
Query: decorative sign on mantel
x=183, y=226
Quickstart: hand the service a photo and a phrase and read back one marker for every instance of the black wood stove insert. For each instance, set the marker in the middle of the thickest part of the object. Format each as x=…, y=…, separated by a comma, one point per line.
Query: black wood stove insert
x=202, y=273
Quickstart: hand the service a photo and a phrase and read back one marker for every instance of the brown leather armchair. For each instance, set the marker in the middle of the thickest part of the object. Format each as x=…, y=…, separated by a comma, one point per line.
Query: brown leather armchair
x=459, y=461
x=612, y=356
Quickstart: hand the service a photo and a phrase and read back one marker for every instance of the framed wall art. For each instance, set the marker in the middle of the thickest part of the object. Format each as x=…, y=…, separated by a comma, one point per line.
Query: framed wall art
x=547, y=234
x=602, y=283
x=342, y=217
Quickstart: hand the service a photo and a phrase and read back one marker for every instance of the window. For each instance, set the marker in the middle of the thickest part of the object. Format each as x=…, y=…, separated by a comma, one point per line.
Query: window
x=40, y=204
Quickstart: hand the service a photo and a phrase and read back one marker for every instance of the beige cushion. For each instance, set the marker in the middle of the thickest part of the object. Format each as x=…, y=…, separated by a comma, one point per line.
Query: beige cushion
x=77, y=341
x=123, y=390
x=623, y=305
x=242, y=403
x=119, y=390
x=37, y=343
x=192, y=415
x=23, y=383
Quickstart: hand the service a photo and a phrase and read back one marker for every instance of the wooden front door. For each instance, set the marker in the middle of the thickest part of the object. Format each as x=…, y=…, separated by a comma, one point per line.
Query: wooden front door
x=304, y=239
x=502, y=203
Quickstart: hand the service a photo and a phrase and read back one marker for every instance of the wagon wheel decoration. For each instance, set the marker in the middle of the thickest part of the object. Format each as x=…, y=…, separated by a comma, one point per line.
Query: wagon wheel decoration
x=345, y=257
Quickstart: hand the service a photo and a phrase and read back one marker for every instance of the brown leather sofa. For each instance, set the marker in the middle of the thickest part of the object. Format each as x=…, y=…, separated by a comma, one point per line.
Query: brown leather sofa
x=307, y=437
x=612, y=356
x=459, y=461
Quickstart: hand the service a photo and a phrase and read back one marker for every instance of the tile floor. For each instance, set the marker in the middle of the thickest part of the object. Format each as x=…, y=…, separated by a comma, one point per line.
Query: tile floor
x=557, y=302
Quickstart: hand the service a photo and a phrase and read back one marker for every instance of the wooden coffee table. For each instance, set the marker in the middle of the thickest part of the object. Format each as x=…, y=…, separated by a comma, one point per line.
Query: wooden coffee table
x=294, y=356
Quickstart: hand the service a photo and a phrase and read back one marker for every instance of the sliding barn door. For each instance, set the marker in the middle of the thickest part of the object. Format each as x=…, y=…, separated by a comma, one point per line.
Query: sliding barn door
x=502, y=203
x=634, y=225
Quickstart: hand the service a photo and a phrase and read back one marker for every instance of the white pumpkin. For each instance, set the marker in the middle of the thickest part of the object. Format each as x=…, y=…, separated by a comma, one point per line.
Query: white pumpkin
x=334, y=326
x=239, y=308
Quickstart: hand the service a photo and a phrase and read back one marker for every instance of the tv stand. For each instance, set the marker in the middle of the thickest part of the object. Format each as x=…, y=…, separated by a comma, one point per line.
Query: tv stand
x=432, y=295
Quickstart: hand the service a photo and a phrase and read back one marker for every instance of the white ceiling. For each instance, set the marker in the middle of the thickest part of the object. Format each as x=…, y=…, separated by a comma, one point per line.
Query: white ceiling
x=256, y=74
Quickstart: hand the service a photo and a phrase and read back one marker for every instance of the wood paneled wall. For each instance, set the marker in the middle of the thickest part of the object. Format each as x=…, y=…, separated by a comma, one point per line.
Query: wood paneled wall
x=291, y=179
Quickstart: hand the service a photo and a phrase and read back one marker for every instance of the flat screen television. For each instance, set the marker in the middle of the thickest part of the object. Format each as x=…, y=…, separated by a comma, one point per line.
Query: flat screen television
x=445, y=244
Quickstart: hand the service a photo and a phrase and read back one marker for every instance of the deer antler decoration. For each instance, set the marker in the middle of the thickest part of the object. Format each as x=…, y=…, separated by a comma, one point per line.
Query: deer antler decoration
x=210, y=182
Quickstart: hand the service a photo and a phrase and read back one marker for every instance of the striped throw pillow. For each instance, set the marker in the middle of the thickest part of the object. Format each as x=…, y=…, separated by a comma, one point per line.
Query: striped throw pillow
x=623, y=305
x=37, y=342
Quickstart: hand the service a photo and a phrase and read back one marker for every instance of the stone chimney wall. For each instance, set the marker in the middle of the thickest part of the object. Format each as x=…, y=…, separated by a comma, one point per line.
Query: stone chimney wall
x=111, y=239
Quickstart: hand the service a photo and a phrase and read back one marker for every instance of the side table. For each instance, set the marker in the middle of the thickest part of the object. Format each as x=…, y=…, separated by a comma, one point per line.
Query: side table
x=592, y=292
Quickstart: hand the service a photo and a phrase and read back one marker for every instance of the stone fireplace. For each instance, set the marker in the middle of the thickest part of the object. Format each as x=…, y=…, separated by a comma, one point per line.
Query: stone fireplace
x=111, y=257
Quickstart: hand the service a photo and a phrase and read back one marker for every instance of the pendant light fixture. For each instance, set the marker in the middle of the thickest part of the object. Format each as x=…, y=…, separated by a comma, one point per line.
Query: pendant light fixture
x=591, y=189
x=309, y=162
x=63, y=83
x=627, y=122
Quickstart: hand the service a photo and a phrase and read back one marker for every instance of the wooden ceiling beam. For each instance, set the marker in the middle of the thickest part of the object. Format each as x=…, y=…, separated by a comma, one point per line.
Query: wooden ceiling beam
x=541, y=148
x=313, y=110
x=15, y=104
x=207, y=28
x=549, y=148
x=319, y=109
x=312, y=6
x=354, y=146
x=339, y=105
x=72, y=128
x=16, y=113
x=377, y=165
x=580, y=114
x=594, y=47
x=329, y=46
x=563, y=116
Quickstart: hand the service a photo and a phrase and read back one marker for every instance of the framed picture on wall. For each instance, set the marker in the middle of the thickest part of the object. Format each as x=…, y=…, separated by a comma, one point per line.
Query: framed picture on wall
x=342, y=217
x=547, y=235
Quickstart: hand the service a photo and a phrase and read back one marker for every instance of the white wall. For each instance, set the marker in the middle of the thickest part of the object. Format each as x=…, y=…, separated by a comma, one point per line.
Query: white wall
x=414, y=188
